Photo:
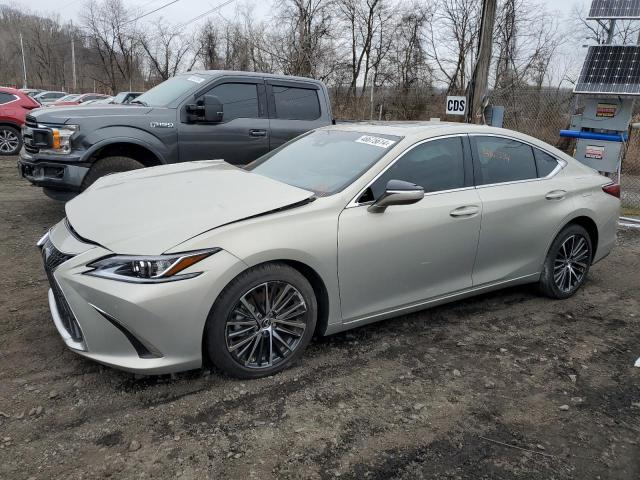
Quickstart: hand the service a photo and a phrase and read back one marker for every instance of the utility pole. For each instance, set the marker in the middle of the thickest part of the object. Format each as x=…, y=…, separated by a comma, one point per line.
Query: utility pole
x=73, y=63
x=24, y=64
x=478, y=87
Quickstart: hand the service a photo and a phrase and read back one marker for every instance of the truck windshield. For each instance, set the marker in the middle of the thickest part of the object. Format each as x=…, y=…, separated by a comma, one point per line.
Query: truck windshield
x=170, y=90
x=324, y=161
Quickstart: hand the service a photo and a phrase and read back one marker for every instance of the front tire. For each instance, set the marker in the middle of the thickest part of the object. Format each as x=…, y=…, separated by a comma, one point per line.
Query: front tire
x=10, y=140
x=108, y=165
x=261, y=322
x=567, y=264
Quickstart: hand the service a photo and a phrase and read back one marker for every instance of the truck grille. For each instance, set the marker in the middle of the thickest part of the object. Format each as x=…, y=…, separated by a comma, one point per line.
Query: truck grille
x=53, y=258
x=31, y=122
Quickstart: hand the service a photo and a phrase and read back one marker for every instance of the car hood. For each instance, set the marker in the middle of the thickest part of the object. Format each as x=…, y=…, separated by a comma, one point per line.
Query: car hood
x=148, y=211
x=61, y=114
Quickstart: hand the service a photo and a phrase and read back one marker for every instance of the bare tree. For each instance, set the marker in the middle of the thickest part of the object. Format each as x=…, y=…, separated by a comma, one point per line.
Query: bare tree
x=453, y=31
x=113, y=37
x=169, y=51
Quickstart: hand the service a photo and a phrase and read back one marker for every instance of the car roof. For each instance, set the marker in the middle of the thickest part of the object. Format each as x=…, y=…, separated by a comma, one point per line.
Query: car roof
x=216, y=73
x=414, y=131
x=11, y=90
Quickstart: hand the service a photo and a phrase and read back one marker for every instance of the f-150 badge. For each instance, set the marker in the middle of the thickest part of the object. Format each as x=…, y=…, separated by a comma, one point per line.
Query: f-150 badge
x=161, y=124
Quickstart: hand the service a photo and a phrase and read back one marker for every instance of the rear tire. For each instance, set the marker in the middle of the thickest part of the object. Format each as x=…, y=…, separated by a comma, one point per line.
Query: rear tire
x=10, y=140
x=567, y=264
x=108, y=165
x=262, y=321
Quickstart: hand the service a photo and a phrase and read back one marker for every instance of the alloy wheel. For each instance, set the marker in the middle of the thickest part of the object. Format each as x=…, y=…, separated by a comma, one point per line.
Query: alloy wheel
x=8, y=141
x=266, y=325
x=571, y=263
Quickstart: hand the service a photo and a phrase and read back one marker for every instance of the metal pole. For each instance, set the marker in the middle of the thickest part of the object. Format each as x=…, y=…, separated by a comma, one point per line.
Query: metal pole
x=24, y=64
x=373, y=78
x=73, y=63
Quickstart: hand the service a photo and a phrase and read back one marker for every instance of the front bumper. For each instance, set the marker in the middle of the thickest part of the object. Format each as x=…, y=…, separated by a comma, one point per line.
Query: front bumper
x=141, y=328
x=52, y=173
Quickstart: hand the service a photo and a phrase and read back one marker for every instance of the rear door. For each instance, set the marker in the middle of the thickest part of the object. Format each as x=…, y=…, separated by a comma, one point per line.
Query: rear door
x=243, y=134
x=294, y=108
x=525, y=198
x=411, y=253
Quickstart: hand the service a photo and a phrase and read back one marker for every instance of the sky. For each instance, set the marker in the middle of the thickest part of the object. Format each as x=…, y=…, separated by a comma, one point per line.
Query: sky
x=566, y=65
x=184, y=10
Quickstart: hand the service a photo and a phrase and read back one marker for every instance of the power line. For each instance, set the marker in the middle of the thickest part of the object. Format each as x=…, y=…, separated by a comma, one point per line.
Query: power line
x=202, y=15
x=150, y=12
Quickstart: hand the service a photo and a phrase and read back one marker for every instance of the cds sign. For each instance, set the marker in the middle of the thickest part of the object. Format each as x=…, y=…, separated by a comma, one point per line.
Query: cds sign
x=456, y=105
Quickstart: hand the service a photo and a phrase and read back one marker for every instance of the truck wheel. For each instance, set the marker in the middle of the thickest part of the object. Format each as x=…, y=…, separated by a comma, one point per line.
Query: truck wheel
x=10, y=140
x=108, y=165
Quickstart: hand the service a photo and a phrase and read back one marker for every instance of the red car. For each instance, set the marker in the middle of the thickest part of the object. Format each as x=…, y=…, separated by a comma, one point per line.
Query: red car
x=78, y=99
x=14, y=106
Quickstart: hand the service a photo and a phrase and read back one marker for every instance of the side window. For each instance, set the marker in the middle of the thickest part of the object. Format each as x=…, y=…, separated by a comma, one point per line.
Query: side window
x=545, y=163
x=503, y=160
x=435, y=166
x=239, y=100
x=6, y=97
x=296, y=103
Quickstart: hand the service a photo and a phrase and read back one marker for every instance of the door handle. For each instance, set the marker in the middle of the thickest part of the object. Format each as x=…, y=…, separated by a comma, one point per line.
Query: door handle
x=556, y=195
x=257, y=133
x=466, y=211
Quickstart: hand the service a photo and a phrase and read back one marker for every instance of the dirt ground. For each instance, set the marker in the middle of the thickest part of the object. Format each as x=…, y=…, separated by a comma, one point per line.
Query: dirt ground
x=506, y=385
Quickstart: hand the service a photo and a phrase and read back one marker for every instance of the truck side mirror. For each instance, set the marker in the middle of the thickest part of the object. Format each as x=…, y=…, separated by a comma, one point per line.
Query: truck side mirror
x=208, y=109
x=213, y=109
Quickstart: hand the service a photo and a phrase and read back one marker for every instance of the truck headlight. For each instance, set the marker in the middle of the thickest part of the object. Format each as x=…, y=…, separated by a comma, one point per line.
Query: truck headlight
x=148, y=269
x=62, y=137
x=61, y=134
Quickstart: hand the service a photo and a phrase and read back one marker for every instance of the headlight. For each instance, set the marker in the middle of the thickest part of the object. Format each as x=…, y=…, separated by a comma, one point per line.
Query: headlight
x=148, y=269
x=61, y=138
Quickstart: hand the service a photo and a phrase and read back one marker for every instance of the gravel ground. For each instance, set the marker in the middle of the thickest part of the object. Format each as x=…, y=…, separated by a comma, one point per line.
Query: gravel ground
x=506, y=385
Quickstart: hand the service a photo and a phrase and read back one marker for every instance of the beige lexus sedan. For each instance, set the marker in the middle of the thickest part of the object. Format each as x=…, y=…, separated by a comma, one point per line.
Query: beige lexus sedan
x=166, y=268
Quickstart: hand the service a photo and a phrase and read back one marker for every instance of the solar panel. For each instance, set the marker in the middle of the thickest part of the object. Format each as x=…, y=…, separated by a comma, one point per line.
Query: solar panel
x=613, y=9
x=611, y=69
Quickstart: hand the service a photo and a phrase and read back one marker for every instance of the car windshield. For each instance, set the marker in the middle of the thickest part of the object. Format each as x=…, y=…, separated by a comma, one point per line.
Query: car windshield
x=68, y=98
x=324, y=161
x=170, y=90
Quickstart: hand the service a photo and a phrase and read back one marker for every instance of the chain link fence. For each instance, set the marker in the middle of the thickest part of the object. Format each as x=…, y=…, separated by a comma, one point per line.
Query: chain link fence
x=539, y=112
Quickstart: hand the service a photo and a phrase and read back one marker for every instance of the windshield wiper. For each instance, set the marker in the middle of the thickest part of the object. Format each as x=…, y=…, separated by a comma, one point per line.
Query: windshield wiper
x=140, y=102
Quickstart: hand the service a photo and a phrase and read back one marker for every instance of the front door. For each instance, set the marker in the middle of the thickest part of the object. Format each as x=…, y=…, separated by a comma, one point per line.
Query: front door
x=411, y=253
x=243, y=134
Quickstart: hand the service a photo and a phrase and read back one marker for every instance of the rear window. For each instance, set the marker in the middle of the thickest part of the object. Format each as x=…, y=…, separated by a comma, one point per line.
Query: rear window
x=294, y=103
x=6, y=97
x=544, y=162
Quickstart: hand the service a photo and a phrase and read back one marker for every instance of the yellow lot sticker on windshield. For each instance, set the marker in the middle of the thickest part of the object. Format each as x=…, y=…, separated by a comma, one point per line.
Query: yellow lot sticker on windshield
x=375, y=141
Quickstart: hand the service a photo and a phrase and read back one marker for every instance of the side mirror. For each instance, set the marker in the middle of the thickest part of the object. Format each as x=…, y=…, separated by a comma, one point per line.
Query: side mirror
x=208, y=109
x=397, y=192
x=213, y=109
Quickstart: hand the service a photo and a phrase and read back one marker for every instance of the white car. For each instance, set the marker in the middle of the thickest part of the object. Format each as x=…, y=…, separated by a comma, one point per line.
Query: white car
x=160, y=269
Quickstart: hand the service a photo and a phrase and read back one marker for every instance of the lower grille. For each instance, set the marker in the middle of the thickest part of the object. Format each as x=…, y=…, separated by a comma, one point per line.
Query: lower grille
x=53, y=258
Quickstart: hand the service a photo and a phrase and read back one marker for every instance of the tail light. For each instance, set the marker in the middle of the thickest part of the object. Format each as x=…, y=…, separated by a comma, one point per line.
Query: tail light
x=612, y=189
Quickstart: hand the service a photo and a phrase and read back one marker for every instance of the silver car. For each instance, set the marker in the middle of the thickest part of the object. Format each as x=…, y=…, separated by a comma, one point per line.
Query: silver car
x=165, y=268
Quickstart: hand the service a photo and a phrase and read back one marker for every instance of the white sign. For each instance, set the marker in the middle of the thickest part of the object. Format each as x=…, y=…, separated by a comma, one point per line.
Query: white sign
x=193, y=78
x=456, y=105
x=375, y=141
x=594, y=151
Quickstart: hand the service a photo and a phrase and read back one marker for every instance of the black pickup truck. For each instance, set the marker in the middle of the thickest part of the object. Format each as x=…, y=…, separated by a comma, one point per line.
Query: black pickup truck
x=235, y=116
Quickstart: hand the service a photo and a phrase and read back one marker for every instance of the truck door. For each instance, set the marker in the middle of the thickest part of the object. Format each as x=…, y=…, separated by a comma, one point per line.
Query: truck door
x=295, y=107
x=241, y=136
